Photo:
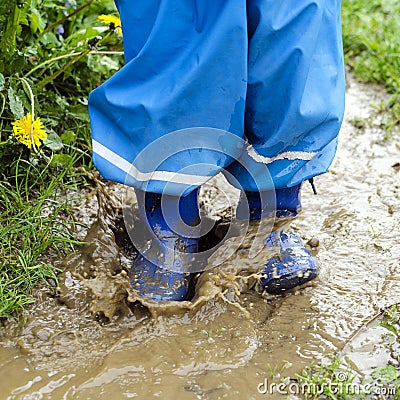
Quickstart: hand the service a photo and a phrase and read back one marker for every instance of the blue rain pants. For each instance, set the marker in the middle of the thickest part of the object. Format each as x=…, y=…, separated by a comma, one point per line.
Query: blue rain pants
x=252, y=88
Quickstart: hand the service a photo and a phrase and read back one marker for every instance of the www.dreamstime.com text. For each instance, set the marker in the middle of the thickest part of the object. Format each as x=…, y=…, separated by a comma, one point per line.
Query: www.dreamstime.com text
x=292, y=387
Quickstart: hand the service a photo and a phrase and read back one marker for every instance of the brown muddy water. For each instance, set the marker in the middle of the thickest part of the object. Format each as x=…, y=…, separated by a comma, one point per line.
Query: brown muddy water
x=94, y=340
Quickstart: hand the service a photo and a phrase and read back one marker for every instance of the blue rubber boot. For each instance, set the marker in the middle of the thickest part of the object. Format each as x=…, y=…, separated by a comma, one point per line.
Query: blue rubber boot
x=294, y=265
x=169, y=281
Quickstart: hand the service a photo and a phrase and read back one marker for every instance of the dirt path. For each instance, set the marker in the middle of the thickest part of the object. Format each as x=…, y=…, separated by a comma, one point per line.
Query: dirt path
x=214, y=351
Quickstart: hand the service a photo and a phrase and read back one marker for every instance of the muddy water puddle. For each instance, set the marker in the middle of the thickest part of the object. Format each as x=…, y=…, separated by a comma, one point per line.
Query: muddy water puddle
x=92, y=338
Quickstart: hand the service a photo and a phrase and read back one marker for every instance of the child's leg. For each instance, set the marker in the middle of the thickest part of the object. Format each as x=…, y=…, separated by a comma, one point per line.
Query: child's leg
x=295, y=95
x=294, y=110
x=186, y=71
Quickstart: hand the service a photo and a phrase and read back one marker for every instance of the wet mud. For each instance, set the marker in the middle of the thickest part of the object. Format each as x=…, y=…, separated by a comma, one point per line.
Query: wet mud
x=93, y=337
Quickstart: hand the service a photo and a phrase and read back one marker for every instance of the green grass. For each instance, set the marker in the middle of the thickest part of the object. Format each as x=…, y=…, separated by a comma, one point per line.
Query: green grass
x=333, y=380
x=371, y=31
x=337, y=380
x=34, y=218
x=52, y=54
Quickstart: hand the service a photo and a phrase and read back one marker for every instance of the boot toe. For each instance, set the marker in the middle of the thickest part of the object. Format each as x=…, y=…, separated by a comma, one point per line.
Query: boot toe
x=294, y=267
x=158, y=284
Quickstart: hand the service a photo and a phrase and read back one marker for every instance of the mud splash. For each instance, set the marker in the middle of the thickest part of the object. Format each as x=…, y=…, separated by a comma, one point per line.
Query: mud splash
x=93, y=338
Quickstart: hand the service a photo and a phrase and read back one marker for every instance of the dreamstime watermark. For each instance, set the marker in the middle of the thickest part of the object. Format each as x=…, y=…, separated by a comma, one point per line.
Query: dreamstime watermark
x=340, y=387
x=194, y=155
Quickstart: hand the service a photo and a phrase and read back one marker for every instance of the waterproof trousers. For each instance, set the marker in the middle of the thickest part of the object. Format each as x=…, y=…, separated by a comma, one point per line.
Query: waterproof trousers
x=253, y=88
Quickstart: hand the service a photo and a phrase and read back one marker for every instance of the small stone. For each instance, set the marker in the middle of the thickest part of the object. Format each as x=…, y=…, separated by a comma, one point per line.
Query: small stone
x=313, y=242
x=396, y=166
x=43, y=334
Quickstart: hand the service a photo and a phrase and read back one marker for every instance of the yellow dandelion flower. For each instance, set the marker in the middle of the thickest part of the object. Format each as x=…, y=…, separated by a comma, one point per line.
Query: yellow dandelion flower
x=29, y=132
x=111, y=20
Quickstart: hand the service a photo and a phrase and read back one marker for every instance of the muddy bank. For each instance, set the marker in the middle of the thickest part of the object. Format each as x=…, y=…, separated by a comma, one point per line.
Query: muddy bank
x=93, y=339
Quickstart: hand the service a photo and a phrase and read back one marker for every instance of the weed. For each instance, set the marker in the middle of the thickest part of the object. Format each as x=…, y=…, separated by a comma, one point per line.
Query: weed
x=52, y=55
x=359, y=123
x=372, y=47
x=33, y=219
x=332, y=380
x=391, y=319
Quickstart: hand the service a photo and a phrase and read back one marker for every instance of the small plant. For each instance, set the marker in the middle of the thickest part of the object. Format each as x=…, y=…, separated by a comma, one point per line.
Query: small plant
x=26, y=233
x=388, y=377
x=332, y=380
x=385, y=382
x=391, y=319
x=52, y=55
x=275, y=371
x=372, y=48
x=359, y=123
